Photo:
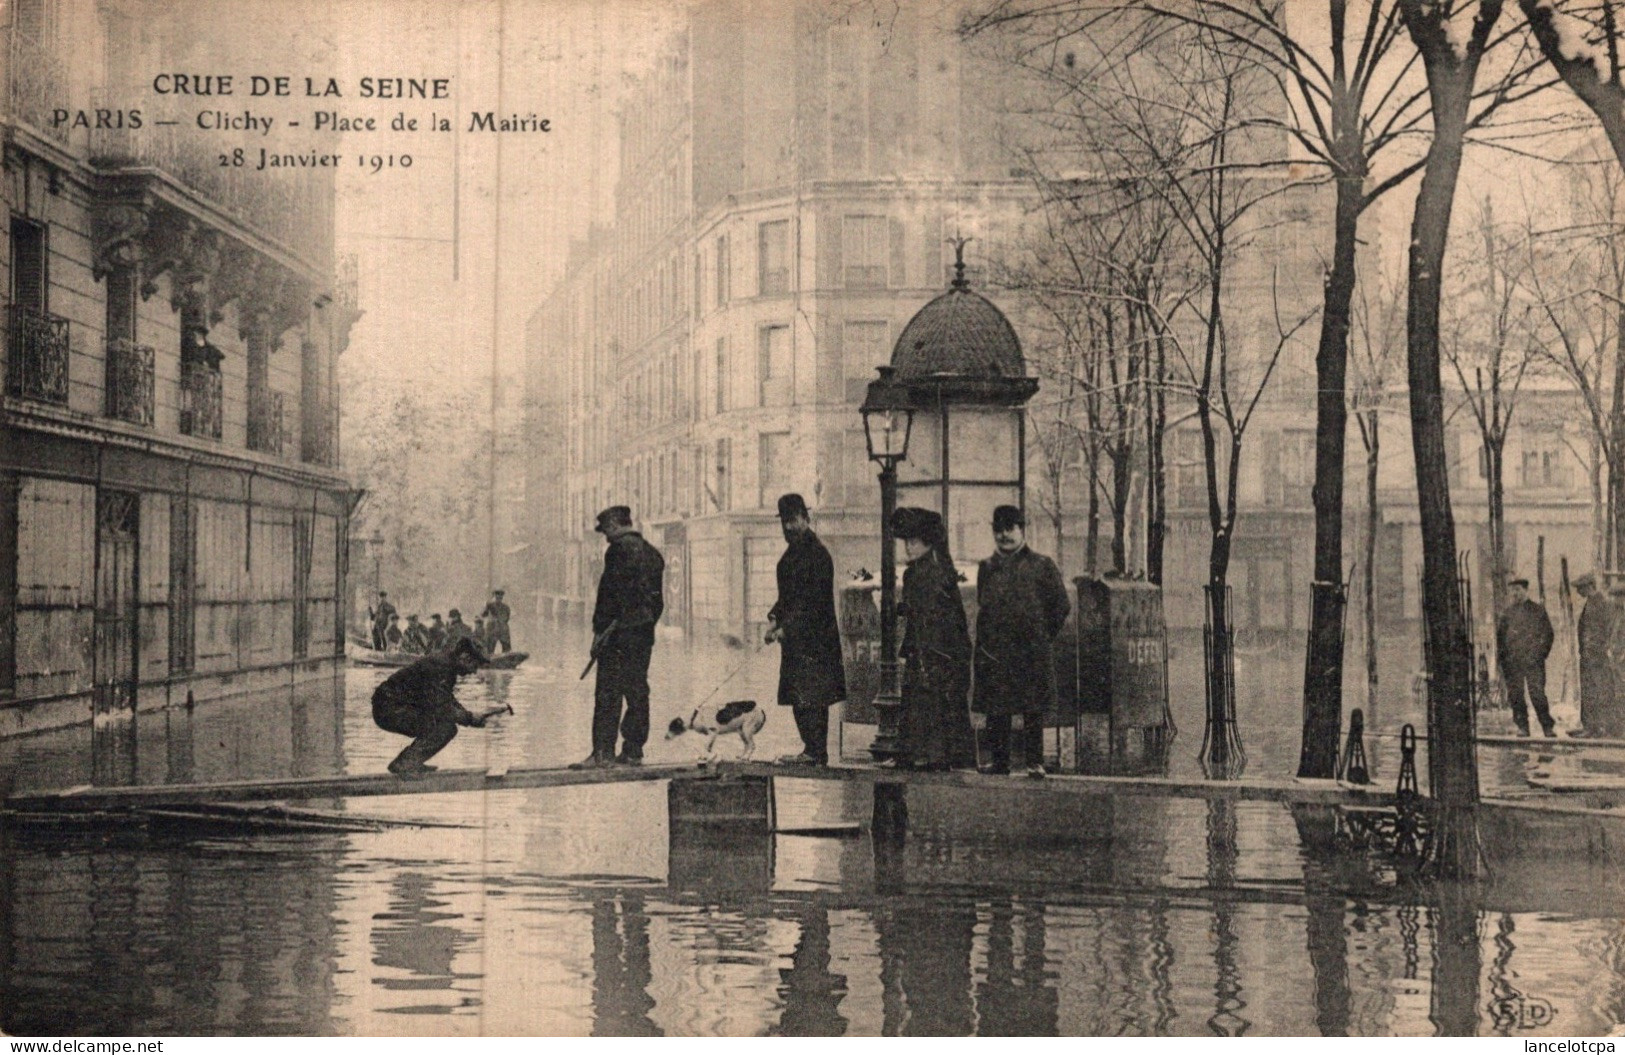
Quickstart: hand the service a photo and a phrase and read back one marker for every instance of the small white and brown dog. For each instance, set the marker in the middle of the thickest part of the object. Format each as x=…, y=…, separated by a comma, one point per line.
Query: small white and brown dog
x=737, y=716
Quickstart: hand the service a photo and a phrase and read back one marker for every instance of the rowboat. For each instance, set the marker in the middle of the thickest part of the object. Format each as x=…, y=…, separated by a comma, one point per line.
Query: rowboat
x=369, y=657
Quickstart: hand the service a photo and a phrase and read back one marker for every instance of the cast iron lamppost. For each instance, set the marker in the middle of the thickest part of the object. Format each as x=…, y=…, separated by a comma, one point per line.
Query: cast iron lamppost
x=888, y=417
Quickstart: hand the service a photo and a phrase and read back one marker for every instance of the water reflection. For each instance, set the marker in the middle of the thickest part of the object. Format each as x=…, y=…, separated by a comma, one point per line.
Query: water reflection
x=811, y=994
x=582, y=911
x=621, y=970
x=416, y=938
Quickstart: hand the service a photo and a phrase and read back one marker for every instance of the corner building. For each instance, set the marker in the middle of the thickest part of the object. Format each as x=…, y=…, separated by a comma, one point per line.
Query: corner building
x=172, y=512
x=790, y=179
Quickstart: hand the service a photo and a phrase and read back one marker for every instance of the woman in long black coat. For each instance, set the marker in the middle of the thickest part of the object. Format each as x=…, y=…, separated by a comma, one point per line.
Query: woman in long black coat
x=936, y=652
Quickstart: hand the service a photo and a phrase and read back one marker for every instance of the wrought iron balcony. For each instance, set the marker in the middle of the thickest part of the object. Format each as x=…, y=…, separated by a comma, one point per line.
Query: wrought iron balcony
x=265, y=422
x=129, y=381
x=39, y=84
x=37, y=355
x=200, y=401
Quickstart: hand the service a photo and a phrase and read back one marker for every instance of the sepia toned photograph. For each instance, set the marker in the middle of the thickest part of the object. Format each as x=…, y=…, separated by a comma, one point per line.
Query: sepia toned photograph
x=872, y=518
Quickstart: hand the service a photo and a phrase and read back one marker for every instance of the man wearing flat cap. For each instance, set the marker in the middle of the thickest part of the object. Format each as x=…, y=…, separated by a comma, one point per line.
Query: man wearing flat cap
x=630, y=601
x=496, y=616
x=1523, y=640
x=419, y=701
x=811, y=675
x=1597, y=688
x=1021, y=606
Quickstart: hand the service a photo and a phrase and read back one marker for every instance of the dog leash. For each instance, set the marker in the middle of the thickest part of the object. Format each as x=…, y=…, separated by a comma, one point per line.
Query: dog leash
x=726, y=678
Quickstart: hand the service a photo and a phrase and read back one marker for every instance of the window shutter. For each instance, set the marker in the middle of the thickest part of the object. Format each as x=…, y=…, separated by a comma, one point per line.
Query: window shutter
x=829, y=271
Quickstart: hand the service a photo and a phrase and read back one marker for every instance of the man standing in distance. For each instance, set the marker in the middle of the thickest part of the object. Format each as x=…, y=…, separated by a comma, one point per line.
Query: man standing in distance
x=496, y=622
x=1523, y=640
x=630, y=602
x=811, y=675
x=1021, y=606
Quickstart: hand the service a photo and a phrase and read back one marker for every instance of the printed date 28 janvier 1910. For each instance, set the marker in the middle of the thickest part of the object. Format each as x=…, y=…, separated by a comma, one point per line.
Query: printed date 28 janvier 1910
x=375, y=163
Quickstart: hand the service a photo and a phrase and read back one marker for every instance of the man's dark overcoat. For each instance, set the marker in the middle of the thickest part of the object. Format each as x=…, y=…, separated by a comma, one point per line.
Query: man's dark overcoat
x=1021, y=606
x=1598, y=691
x=810, y=669
x=1523, y=636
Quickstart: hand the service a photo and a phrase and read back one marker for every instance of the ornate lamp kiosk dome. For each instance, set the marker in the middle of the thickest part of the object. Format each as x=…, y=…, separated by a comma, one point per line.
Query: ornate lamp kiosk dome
x=961, y=362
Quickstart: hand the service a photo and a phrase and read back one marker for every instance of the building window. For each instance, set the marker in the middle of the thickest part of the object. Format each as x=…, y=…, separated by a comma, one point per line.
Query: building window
x=28, y=282
x=773, y=467
x=722, y=271
x=1543, y=464
x=724, y=474
x=863, y=347
x=1297, y=462
x=722, y=374
x=864, y=248
x=773, y=257
x=699, y=286
x=1188, y=470
x=121, y=304
x=773, y=366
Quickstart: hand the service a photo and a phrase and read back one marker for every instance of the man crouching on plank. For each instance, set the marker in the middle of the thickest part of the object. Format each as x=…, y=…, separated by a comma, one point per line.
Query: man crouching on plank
x=419, y=701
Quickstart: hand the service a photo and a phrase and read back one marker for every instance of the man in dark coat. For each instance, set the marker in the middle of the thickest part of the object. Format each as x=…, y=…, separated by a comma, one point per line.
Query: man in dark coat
x=437, y=633
x=496, y=622
x=1598, y=702
x=1021, y=606
x=419, y=701
x=935, y=722
x=630, y=602
x=811, y=675
x=1523, y=640
x=381, y=617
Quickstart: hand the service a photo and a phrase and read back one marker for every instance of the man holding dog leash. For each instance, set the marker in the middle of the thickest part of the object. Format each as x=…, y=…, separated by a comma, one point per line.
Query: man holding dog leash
x=811, y=674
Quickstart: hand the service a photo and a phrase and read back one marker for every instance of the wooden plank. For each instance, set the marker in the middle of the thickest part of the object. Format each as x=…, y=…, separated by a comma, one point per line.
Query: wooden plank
x=457, y=780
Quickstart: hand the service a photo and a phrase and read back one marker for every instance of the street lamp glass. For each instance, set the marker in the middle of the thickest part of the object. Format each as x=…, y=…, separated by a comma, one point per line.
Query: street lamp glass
x=888, y=417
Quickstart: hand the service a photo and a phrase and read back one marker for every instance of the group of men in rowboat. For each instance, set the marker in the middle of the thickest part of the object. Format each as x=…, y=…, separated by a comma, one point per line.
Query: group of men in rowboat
x=489, y=632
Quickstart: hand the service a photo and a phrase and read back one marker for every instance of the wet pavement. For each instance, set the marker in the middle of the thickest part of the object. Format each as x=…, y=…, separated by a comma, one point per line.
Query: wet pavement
x=580, y=911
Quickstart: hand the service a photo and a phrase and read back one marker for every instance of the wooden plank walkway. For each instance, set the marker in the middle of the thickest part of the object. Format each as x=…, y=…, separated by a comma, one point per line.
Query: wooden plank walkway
x=1327, y=793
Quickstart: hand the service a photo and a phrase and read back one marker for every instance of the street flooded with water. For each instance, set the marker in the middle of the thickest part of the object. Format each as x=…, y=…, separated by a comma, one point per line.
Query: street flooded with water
x=1006, y=910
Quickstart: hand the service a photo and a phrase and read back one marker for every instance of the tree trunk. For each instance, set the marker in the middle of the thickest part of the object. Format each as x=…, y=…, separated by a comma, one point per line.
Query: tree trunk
x=1616, y=440
x=1323, y=660
x=1452, y=766
x=1122, y=481
x=1495, y=481
x=1091, y=545
x=1373, y=520
x=1156, y=474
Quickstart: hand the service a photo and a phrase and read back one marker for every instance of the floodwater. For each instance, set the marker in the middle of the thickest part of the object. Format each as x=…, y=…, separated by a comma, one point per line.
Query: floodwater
x=580, y=911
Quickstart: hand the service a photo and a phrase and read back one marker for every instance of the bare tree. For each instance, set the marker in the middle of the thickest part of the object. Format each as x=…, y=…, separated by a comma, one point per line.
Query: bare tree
x=1377, y=329
x=1485, y=339
x=1452, y=44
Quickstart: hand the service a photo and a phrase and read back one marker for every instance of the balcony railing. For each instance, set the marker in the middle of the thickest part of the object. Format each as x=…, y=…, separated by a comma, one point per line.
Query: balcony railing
x=129, y=381
x=38, y=355
x=265, y=422
x=39, y=84
x=200, y=401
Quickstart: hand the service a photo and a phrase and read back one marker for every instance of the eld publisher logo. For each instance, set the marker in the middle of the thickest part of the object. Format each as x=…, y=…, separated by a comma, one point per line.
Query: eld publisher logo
x=1524, y=1012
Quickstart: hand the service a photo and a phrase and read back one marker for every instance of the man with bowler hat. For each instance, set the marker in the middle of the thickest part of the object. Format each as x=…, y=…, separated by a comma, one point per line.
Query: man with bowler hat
x=1523, y=640
x=1021, y=604
x=811, y=675
x=630, y=602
